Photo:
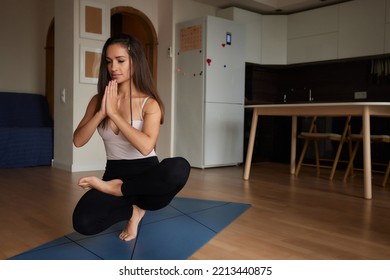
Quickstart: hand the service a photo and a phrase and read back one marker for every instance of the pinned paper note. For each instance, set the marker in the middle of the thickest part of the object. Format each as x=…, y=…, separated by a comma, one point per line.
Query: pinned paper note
x=191, y=38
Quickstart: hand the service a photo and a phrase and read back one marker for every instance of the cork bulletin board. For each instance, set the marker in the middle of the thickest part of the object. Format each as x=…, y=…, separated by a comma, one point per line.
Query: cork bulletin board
x=191, y=38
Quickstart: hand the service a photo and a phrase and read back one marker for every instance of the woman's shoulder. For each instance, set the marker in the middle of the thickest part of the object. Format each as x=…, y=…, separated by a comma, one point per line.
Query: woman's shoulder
x=94, y=100
x=151, y=105
x=150, y=101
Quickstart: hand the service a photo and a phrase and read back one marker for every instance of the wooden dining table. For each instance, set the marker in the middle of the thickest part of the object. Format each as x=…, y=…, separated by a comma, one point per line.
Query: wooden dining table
x=295, y=110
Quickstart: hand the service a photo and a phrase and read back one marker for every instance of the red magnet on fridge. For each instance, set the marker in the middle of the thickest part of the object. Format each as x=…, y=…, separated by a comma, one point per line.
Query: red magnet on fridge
x=208, y=61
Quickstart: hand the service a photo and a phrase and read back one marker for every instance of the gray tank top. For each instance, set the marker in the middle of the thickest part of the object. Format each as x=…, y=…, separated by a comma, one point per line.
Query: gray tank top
x=117, y=146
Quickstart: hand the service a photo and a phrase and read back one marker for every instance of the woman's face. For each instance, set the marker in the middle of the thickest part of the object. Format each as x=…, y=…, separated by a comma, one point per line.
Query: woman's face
x=118, y=63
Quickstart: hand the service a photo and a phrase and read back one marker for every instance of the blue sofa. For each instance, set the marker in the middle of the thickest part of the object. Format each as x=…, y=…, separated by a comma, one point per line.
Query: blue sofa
x=26, y=130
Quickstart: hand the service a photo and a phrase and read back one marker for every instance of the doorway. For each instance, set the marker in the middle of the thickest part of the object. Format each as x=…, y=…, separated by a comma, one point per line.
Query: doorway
x=135, y=23
x=49, y=80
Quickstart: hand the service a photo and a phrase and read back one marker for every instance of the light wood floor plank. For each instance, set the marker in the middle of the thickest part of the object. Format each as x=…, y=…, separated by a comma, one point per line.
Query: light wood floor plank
x=308, y=217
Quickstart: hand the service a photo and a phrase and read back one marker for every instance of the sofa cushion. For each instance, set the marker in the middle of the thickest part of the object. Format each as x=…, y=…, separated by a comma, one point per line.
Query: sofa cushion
x=24, y=110
x=26, y=130
x=24, y=147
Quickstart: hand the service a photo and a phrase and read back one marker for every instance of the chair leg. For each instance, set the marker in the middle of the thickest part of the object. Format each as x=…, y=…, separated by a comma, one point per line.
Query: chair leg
x=342, y=141
x=305, y=144
x=317, y=157
x=350, y=163
x=336, y=160
x=350, y=150
x=386, y=175
x=301, y=157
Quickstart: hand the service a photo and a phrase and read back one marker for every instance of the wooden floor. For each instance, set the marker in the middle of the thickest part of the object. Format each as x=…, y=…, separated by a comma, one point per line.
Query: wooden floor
x=308, y=217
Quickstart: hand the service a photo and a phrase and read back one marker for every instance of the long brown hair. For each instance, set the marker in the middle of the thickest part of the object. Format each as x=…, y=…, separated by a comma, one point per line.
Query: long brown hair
x=141, y=76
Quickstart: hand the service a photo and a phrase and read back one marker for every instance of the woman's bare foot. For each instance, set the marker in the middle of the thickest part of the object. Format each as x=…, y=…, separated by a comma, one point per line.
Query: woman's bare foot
x=110, y=187
x=131, y=229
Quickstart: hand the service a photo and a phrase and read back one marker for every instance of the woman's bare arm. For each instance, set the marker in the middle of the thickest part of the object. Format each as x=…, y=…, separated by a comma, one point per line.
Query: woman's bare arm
x=89, y=123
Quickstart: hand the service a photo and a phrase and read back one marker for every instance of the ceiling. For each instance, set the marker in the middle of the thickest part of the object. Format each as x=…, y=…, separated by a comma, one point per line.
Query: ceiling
x=272, y=6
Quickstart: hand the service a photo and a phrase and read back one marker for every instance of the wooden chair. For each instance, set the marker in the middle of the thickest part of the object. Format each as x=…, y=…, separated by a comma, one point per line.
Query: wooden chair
x=314, y=135
x=358, y=138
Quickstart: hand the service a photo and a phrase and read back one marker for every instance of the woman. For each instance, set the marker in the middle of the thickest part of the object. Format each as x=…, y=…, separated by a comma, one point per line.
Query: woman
x=127, y=112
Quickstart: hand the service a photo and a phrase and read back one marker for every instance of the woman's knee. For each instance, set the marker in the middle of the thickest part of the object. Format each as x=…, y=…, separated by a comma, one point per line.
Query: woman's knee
x=84, y=224
x=178, y=169
x=177, y=164
x=85, y=217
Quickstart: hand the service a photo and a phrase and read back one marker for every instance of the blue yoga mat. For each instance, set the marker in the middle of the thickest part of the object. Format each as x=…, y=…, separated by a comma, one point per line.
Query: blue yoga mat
x=173, y=233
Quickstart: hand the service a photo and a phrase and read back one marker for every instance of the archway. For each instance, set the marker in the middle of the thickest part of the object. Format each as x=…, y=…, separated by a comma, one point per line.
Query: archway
x=133, y=22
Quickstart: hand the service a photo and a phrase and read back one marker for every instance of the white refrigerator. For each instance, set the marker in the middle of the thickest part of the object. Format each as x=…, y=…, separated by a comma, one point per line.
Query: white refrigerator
x=209, y=90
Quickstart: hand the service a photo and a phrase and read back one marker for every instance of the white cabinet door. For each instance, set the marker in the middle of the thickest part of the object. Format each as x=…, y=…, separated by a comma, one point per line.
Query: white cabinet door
x=362, y=28
x=312, y=48
x=274, y=40
x=312, y=35
x=313, y=22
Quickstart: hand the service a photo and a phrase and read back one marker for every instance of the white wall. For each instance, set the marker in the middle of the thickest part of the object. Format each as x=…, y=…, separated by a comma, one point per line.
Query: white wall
x=64, y=79
x=164, y=78
x=23, y=29
x=186, y=9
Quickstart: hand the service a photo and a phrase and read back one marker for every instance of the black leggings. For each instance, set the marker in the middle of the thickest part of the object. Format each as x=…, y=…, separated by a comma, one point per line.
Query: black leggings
x=147, y=183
